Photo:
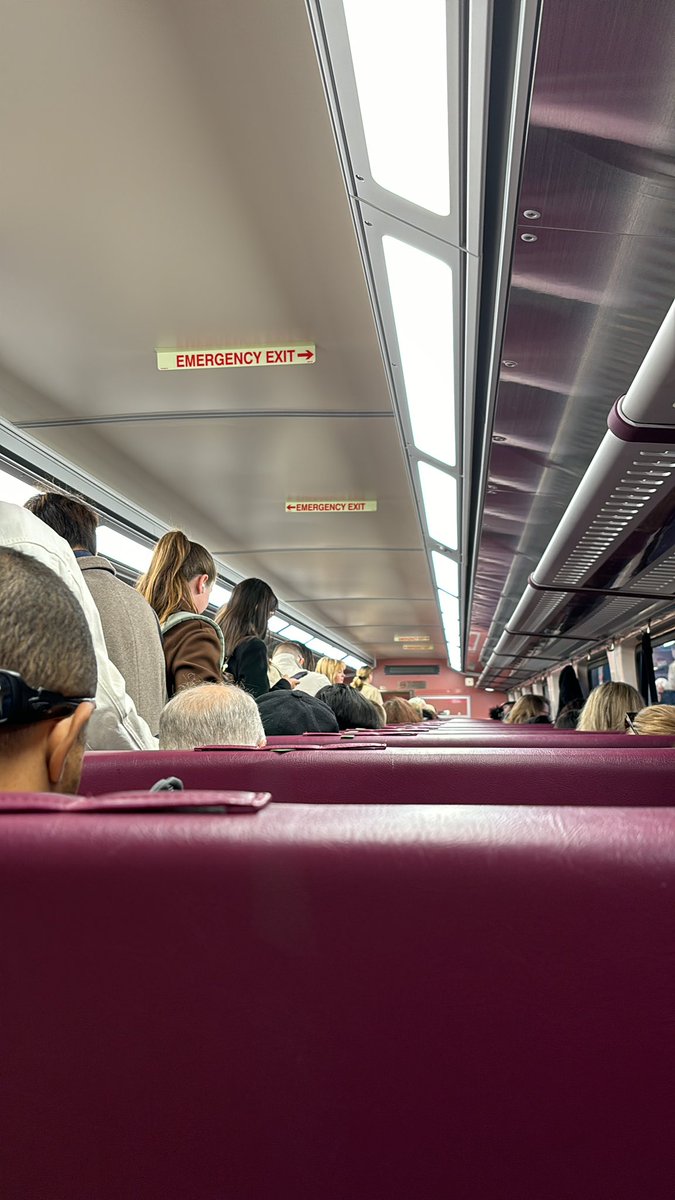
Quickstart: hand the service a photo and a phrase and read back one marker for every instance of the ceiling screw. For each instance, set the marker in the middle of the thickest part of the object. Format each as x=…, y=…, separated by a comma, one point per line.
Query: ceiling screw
x=528, y=237
x=530, y=213
x=509, y=362
x=498, y=437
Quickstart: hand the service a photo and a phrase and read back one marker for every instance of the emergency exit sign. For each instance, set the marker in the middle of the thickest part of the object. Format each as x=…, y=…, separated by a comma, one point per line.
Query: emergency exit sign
x=330, y=506
x=229, y=356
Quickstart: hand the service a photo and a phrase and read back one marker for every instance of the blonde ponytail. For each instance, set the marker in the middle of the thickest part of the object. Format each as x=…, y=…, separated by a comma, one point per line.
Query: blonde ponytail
x=175, y=561
x=362, y=676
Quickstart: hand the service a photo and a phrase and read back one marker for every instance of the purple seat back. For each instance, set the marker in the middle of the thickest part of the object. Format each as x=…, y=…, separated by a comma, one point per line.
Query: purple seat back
x=337, y=1002
x=461, y=775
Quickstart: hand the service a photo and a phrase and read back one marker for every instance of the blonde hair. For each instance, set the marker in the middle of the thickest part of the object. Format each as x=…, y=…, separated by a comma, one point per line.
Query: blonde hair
x=400, y=712
x=658, y=718
x=329, y=667
x=362, y=676
x=175, y=561
x=526, y=709
x=606, y=708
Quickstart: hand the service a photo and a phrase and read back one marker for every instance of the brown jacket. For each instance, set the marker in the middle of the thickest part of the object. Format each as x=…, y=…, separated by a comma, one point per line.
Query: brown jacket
x=193, y=653
x=132, y=636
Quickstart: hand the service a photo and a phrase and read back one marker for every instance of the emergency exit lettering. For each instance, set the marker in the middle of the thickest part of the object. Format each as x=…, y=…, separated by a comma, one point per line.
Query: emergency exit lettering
x=244, y=356
x=329, y=506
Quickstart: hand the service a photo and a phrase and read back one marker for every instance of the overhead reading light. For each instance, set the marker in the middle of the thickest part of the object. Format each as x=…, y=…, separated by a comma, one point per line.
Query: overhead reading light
x=122, y=549
x=446, y=571
x=15, y=491
x=439, y=496
x=421, y=295
x=400, y=66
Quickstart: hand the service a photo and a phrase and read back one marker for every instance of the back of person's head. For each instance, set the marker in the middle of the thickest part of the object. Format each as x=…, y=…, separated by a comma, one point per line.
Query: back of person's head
x=525, y=709
x=568, y=717
x=45, y=641
x=658, y=718
x=542, y=719
x=213, y=714
x=496, y=713
x=72, y=519
x=363, y=675
x=569, y=689
x=290, y=650
x=176, y=562
x=332, y=669
x=606, y=708
x=246, y=613
x=286, y=713
x=400, y=712
x=426, y=710
x=352, y=710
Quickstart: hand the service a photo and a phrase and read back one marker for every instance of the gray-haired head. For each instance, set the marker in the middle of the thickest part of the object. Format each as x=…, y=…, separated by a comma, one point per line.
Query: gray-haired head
x=212, y=714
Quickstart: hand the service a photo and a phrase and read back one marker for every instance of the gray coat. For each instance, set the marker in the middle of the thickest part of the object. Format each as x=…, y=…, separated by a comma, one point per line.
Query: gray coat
x=132, y=636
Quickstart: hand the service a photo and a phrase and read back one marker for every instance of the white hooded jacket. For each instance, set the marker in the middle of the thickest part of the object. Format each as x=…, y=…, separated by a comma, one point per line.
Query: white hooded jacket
x=310, y=682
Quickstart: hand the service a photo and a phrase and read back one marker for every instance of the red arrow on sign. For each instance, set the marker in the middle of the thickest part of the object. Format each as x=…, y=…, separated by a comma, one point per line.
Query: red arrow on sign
x=290, y=506
x=305, y=354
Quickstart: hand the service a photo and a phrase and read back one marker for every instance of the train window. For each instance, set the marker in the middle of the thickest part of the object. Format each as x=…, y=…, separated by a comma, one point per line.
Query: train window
x=598, y=672
x=664, y=668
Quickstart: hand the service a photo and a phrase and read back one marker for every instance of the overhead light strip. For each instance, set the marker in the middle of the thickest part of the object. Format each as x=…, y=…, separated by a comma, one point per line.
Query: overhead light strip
x=399, y=56
x=421, y=288
x=439, y=498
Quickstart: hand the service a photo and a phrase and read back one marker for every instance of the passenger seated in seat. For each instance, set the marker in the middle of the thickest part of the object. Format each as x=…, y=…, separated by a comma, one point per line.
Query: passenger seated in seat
x=47, y=678
x=286, y=713
x=352, y=709
x=659, y=718
x=177, y=585
x=525, y=709
x=427, y=710
x=400, y=712
x=568, y=717
x=606, y=708
x=292, y=661
x=212, y=714
x=332, y=669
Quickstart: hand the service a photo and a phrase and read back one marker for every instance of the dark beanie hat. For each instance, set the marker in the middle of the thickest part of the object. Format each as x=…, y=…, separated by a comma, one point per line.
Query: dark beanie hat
x=286, y=713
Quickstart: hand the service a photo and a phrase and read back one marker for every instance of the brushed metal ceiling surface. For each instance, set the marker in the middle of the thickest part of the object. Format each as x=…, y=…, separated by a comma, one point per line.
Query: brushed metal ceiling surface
x=170, y=177
x=588, y=295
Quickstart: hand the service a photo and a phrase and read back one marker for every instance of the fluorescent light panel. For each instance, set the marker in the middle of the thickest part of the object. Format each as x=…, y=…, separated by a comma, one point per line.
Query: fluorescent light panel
x=123, y=549
x=354, y=663
x=292, y=633
x=276, y=624
x=421, y=295
x=446, y=571
x=326, y=649
x=439, y=497
x=400, y=65
x=220, y=595
x=15, y=491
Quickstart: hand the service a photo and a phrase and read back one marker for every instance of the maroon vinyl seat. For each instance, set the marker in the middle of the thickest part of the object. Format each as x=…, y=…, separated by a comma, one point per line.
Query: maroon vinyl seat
x=337, y=1002
x=398, y=775
x=527, y=739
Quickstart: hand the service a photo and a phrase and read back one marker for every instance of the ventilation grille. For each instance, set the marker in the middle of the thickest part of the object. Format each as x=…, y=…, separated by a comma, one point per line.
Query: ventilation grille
x=660, y=578
x=638, y=487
